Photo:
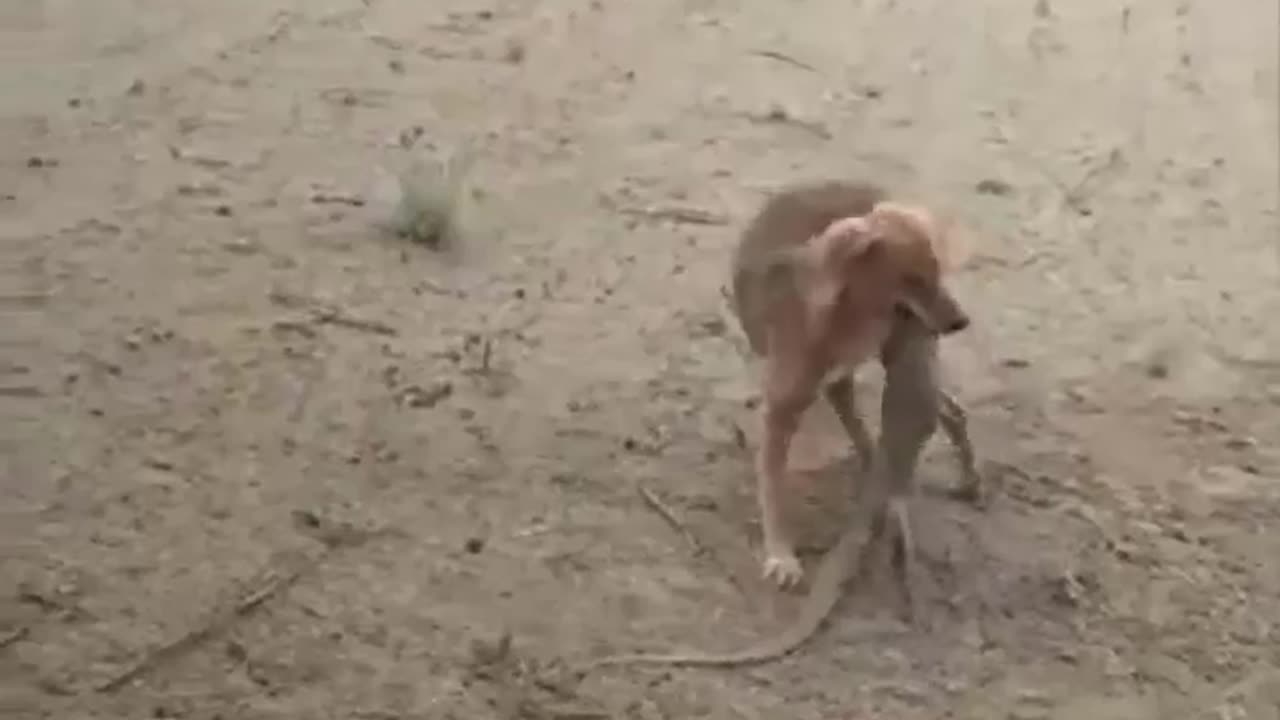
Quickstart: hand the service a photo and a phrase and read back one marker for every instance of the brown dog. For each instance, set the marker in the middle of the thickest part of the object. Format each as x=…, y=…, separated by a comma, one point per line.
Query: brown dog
x=817, y=283
x=827, y=275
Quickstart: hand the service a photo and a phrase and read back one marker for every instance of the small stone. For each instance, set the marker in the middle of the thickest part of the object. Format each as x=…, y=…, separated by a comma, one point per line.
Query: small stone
x=306, y=519
x=236, y=652
x=474, y=545
x=492, y=650
x=515, y=52
x=199, y=189
x=993, y=186
x=1241, y=443
x=715, y=326
x=418, y=397
x=240, y=246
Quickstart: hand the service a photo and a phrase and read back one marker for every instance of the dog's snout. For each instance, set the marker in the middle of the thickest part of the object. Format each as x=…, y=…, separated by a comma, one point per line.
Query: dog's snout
x=959, y=323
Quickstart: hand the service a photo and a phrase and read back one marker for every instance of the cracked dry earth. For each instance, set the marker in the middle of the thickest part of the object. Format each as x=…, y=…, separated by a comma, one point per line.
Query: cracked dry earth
x=261, y=460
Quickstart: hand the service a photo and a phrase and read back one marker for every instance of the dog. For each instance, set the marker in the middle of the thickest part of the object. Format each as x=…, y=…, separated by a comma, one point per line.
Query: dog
x=819, y=279
x=826, y=276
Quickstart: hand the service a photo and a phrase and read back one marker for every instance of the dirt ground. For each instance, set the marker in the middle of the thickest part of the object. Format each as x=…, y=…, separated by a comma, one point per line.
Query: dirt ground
x=262, y=460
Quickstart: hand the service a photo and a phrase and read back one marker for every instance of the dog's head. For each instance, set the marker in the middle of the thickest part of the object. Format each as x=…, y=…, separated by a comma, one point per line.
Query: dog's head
x=896, y=254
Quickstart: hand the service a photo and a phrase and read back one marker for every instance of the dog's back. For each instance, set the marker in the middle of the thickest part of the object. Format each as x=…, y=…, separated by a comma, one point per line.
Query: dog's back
x=790, y=217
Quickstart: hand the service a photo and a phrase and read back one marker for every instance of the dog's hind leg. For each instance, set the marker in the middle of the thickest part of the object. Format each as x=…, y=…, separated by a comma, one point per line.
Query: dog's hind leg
x=840, y=394
x=955, y=424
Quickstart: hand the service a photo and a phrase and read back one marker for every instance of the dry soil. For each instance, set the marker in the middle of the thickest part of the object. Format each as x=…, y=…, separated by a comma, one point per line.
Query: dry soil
x=262, y=460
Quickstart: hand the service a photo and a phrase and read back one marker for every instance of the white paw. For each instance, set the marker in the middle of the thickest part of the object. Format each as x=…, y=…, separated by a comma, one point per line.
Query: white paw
x=784, y=570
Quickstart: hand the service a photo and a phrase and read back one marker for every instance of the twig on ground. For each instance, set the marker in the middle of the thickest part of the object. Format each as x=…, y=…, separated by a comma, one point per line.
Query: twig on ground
x=323, y=313
x=779, y=115
x=1077, y=195
x=1248, y=684
x=333, y=316
x=321, y=197
x=292, y=301
x=12, y=636
x=686, y=215
x=568, y=713
x=275, y=582
x=656, y=504
x=700, y=549
x=784, y=58
x=1074, y=195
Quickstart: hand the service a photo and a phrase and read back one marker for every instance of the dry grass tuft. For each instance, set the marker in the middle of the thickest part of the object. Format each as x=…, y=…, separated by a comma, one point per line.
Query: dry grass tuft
x=428, y=210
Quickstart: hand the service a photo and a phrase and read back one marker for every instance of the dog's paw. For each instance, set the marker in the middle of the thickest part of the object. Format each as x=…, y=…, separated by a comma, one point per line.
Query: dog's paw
x=783, y=570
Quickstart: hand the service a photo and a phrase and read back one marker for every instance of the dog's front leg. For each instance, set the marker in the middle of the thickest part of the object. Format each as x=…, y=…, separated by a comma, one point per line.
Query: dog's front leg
x=779, y=421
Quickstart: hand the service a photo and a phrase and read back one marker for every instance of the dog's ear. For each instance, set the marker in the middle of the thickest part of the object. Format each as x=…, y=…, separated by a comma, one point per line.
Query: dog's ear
x=824, y=256
x=846, y=241
x=818, y=271
x=831, y=251
x=830, y=256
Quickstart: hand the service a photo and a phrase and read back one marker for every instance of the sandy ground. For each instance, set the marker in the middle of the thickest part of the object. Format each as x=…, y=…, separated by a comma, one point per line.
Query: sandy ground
x=329, y=470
